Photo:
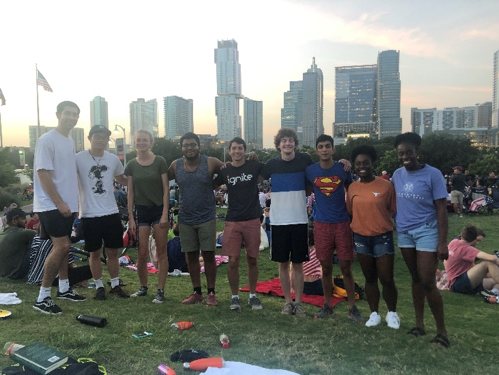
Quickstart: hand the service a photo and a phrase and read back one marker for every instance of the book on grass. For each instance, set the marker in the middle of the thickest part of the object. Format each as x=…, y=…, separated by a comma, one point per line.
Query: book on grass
x=40, y=358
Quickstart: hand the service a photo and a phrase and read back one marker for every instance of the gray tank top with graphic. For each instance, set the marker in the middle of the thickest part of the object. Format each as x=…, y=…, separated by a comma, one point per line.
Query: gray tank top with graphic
x=197, y=201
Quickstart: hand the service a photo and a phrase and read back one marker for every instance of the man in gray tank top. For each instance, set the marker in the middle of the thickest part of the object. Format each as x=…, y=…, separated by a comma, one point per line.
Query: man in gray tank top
x=197, y=216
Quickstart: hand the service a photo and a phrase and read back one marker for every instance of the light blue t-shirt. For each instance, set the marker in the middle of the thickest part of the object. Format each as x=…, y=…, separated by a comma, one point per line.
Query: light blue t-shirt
x=416, y=191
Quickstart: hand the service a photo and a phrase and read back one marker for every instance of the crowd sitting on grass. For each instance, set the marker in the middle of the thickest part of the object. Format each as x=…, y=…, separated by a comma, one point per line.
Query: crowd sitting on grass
x=355, y=223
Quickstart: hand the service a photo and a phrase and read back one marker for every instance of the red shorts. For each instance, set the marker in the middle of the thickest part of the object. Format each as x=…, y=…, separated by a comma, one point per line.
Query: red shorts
x=238, y=232
x=329, y=237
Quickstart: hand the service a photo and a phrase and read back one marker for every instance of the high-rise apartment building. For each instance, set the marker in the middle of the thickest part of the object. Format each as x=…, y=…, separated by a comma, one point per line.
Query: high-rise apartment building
x=143, y=115
x=355, y=102
x=388, y=94
x=228, y=90
x=98, y=112
x=77, y=134
x=291, y=113
x=495, y=91
x=253, y=124
x=313, y=105
x=178, y=116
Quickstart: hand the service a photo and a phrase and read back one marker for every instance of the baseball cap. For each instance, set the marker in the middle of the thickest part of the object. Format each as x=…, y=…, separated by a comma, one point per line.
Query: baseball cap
x=99, y=129
x=14, y=214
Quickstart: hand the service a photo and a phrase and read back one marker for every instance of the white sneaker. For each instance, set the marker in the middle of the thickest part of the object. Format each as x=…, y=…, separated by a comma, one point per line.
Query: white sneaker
x=392, y=319
x=374, y=320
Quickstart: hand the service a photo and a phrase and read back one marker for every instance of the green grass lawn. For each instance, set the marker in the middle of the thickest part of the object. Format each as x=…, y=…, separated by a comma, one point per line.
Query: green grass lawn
x=266, y=338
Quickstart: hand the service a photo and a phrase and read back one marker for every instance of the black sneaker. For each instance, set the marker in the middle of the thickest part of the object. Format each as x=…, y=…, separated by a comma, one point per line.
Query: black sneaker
x=325, y=311
x=71, y=296
x=235, y=304
x=117, y=291
x=160, y=296
x=255, y=303
x=141, y=292
x=100, y=294
x=47, y=306
x=354, y=314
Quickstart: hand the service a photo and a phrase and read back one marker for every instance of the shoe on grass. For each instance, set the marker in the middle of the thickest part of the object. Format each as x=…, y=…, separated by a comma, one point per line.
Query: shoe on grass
x=70, y=295
x=235, y=304
x=160, y=296
x=117, y=291
x=193, y=298
x=288, y=309
x=142, y=292
x=47, y=306
x=100, y=294
x=325, y=311
x=300, y=311
x=392, y=320
x=374, y=319
x=211, y=300
x=354, y=314
x=488, y=293
x=255, y=303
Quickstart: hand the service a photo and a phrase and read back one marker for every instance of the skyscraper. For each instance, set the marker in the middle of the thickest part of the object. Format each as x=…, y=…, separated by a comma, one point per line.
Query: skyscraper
x=388, y=94
x=143, y=115
x=253, y=123
x=291, y=113
x=178, y=116
x=312, y=112
x=355, y=102
x=495, y=91
x=98, y=112
x=228, y=90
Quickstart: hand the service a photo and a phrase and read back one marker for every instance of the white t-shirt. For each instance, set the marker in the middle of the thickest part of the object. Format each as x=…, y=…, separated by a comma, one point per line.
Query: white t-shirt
x=55, y=153
x=95, y=180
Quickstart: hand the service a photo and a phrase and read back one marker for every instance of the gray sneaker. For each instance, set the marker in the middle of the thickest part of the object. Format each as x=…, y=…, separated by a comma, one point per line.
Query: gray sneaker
x=235, y=304
x=160, y=296
x=288, y=309
x=354, y=314
x=300, y=311
x=255, y=303
x=325, y=311
x=141, y=292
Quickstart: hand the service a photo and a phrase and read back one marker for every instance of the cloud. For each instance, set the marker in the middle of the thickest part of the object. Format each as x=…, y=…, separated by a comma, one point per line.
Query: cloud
x=489, y=32
x=484, y=89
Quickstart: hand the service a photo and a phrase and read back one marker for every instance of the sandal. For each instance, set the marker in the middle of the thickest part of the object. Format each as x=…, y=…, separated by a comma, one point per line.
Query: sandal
x=441, y=340
x=417, y=331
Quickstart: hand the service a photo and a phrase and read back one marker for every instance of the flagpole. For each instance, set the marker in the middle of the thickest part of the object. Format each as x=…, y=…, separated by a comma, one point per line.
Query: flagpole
x=37, y=105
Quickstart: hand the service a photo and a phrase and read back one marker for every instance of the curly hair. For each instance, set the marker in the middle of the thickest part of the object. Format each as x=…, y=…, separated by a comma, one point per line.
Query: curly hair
x=411, y=138
x=285, y=132
x=364, y=150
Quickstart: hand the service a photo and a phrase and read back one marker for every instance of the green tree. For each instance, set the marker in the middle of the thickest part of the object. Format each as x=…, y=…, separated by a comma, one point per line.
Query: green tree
x=7, y=173
x=484, y=164
x=387, y=162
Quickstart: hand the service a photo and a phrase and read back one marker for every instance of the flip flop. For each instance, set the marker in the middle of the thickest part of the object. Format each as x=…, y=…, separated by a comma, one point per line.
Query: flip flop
x=4, y=313
x=417, y=331
x=441, y=340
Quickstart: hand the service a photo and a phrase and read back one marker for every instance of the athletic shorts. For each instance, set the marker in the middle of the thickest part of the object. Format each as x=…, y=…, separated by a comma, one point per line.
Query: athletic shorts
x=462, y=284
x=423, y=238
x=53, y=224
x=237, y=233
x=105, y=228
x=198, y=237
x=456, y=197
x=374, y=246
x=289, y=239
x=331, y=236
x=147, y=216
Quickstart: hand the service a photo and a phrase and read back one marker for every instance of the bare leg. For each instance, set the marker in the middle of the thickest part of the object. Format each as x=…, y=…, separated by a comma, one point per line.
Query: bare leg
x=252, y=273
x=192, y=259
x=210, y=268
x=96, y=265
x=327, y=280
x=113, y=263
x=482, y=270
x=368, y=265
x=161, y=238
x=384, y=265
x=285, y=281
x=298, y=281
x=60, y=251
x=233, y=274
x=143, y=252
x=418, y=294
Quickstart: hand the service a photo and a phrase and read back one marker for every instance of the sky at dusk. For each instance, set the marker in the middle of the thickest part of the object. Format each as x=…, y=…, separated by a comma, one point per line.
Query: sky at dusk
x=151, y=49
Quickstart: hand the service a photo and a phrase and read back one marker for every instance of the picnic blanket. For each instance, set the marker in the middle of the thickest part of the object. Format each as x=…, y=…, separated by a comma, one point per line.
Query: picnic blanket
x=239, y=368
x=273, y=288
x=219, y=259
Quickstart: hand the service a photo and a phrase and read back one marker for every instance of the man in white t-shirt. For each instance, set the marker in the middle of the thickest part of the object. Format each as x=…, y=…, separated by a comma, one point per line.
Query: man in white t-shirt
x=56, y=202
x=99, y=215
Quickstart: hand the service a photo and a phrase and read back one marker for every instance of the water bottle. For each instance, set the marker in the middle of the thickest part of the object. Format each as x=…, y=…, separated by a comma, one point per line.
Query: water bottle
x=165, y=370
x=10, y=348
x=92, y=320
x=224, y=341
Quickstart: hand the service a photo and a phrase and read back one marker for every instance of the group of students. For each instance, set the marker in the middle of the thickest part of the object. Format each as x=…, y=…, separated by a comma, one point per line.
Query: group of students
x=416, y=196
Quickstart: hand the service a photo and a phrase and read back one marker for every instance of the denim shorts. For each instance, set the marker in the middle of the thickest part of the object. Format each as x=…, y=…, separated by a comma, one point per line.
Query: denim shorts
x=147, y=216
x=423, y=238
x=374, y=246
x=462, y=284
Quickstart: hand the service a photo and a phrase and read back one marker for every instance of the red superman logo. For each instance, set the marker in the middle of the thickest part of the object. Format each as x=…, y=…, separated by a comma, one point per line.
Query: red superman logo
x=327, y=185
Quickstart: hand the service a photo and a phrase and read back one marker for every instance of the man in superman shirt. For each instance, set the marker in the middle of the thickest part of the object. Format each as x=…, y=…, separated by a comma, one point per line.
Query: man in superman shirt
x=332, y=224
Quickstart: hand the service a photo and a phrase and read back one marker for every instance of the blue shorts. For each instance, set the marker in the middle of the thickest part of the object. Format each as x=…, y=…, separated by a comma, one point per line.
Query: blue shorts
x=423, y=238
x=462, y=284
x=147, y=216
x=374, y=246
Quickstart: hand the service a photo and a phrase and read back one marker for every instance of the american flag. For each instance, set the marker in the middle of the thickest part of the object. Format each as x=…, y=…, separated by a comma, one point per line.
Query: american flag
x=2, y=98
x=41, y=81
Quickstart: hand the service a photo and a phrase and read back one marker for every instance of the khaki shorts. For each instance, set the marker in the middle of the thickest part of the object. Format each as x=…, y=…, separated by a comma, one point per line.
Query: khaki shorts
x=238, y=232
x=198, y=237
x=456, y=197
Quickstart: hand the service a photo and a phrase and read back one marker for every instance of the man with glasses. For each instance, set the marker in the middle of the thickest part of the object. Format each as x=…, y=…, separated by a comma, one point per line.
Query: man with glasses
x=14, y=245
x=197, y=216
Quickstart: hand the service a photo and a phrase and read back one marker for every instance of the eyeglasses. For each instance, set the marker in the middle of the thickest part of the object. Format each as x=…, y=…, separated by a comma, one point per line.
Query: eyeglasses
x=189, y=145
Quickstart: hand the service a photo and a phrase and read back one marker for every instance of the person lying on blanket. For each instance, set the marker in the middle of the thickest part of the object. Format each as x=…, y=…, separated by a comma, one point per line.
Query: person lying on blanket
x=312, y=270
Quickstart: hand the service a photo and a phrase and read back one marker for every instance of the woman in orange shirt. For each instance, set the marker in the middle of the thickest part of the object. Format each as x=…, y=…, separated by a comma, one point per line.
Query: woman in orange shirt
x=371, y=202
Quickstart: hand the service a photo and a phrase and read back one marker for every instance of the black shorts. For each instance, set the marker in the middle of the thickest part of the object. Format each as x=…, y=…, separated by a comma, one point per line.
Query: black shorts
x=53, y=224
x=289, y=239
x=462, y=284
x=105, y=228
x=148, y=215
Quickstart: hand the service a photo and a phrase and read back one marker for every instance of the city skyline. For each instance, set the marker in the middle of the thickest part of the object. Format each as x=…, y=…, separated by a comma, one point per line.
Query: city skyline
x=444, y=61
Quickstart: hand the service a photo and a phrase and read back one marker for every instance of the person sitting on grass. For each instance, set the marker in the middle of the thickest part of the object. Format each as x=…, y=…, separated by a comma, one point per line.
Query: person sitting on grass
x=463, y=274
x=176, y=258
